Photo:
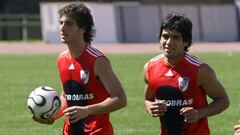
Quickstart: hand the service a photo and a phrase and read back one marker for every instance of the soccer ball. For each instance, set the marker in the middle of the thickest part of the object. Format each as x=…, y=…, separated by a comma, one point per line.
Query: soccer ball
x=44, y=102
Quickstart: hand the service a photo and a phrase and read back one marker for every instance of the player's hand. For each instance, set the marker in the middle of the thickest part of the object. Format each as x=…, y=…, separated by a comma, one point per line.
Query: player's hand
x=157, y=108
x=190, y=114
x=237, y=129
x=49, y=122
x=76, y=113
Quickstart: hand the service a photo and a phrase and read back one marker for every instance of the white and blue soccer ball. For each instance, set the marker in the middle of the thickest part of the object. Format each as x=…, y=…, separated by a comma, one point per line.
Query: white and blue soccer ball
x=44, y=102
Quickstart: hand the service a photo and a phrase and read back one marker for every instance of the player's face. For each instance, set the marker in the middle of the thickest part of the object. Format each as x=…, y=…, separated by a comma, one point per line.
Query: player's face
x=69, y=30
x=172, y=44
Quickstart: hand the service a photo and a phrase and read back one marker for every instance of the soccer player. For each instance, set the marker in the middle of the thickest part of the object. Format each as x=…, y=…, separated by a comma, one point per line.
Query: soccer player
x=91, y=89
x=177, y=83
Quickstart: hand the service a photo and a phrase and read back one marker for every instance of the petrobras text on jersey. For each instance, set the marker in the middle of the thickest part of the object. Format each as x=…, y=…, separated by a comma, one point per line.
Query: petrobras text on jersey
x=178, y=102
x=78, y=97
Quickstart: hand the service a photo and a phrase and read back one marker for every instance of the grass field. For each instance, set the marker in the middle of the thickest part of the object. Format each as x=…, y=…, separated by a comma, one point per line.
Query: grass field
x=19, y=74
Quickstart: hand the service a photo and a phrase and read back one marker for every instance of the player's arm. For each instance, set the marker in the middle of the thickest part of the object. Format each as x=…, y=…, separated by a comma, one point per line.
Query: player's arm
x=110, y=81
x=214, y=89
x=153, y=107
x=116, y=100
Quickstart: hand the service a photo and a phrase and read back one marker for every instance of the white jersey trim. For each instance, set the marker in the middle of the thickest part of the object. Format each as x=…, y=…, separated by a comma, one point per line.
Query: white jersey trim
x=157, y=57
x=93, y=51
x=64, y=52
x=193, y=60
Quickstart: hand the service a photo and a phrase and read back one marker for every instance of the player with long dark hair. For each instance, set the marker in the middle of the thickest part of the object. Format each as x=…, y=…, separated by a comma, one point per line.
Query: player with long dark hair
x=91, y=89
x=177, y=83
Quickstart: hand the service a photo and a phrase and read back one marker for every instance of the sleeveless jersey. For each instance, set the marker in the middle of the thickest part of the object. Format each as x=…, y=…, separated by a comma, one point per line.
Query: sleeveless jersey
x=82, y=87
x=178, y=87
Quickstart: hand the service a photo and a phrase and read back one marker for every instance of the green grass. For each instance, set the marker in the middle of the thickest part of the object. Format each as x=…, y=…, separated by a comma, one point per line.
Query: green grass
x=19, y=74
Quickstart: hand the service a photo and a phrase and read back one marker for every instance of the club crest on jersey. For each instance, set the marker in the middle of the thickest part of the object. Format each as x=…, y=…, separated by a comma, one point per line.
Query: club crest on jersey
x=183, y=83
x=84, y=75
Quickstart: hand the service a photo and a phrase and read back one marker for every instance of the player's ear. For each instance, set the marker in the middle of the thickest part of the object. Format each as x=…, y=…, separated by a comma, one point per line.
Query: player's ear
x=82, y=29
x=186, y=43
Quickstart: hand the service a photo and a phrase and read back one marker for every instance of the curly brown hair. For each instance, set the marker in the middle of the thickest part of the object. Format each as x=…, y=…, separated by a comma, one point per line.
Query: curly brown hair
x=83, y=16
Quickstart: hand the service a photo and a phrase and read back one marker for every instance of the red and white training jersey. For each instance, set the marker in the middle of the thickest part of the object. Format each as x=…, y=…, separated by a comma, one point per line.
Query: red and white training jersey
x=177, y=85
x=82, y=87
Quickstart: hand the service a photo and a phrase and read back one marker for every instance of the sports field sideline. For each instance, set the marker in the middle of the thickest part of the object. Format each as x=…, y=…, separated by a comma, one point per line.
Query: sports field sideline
x=42, y=48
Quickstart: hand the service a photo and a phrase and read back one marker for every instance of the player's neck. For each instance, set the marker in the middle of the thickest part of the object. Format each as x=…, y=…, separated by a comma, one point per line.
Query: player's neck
x=173, y=61
x=76, y=49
